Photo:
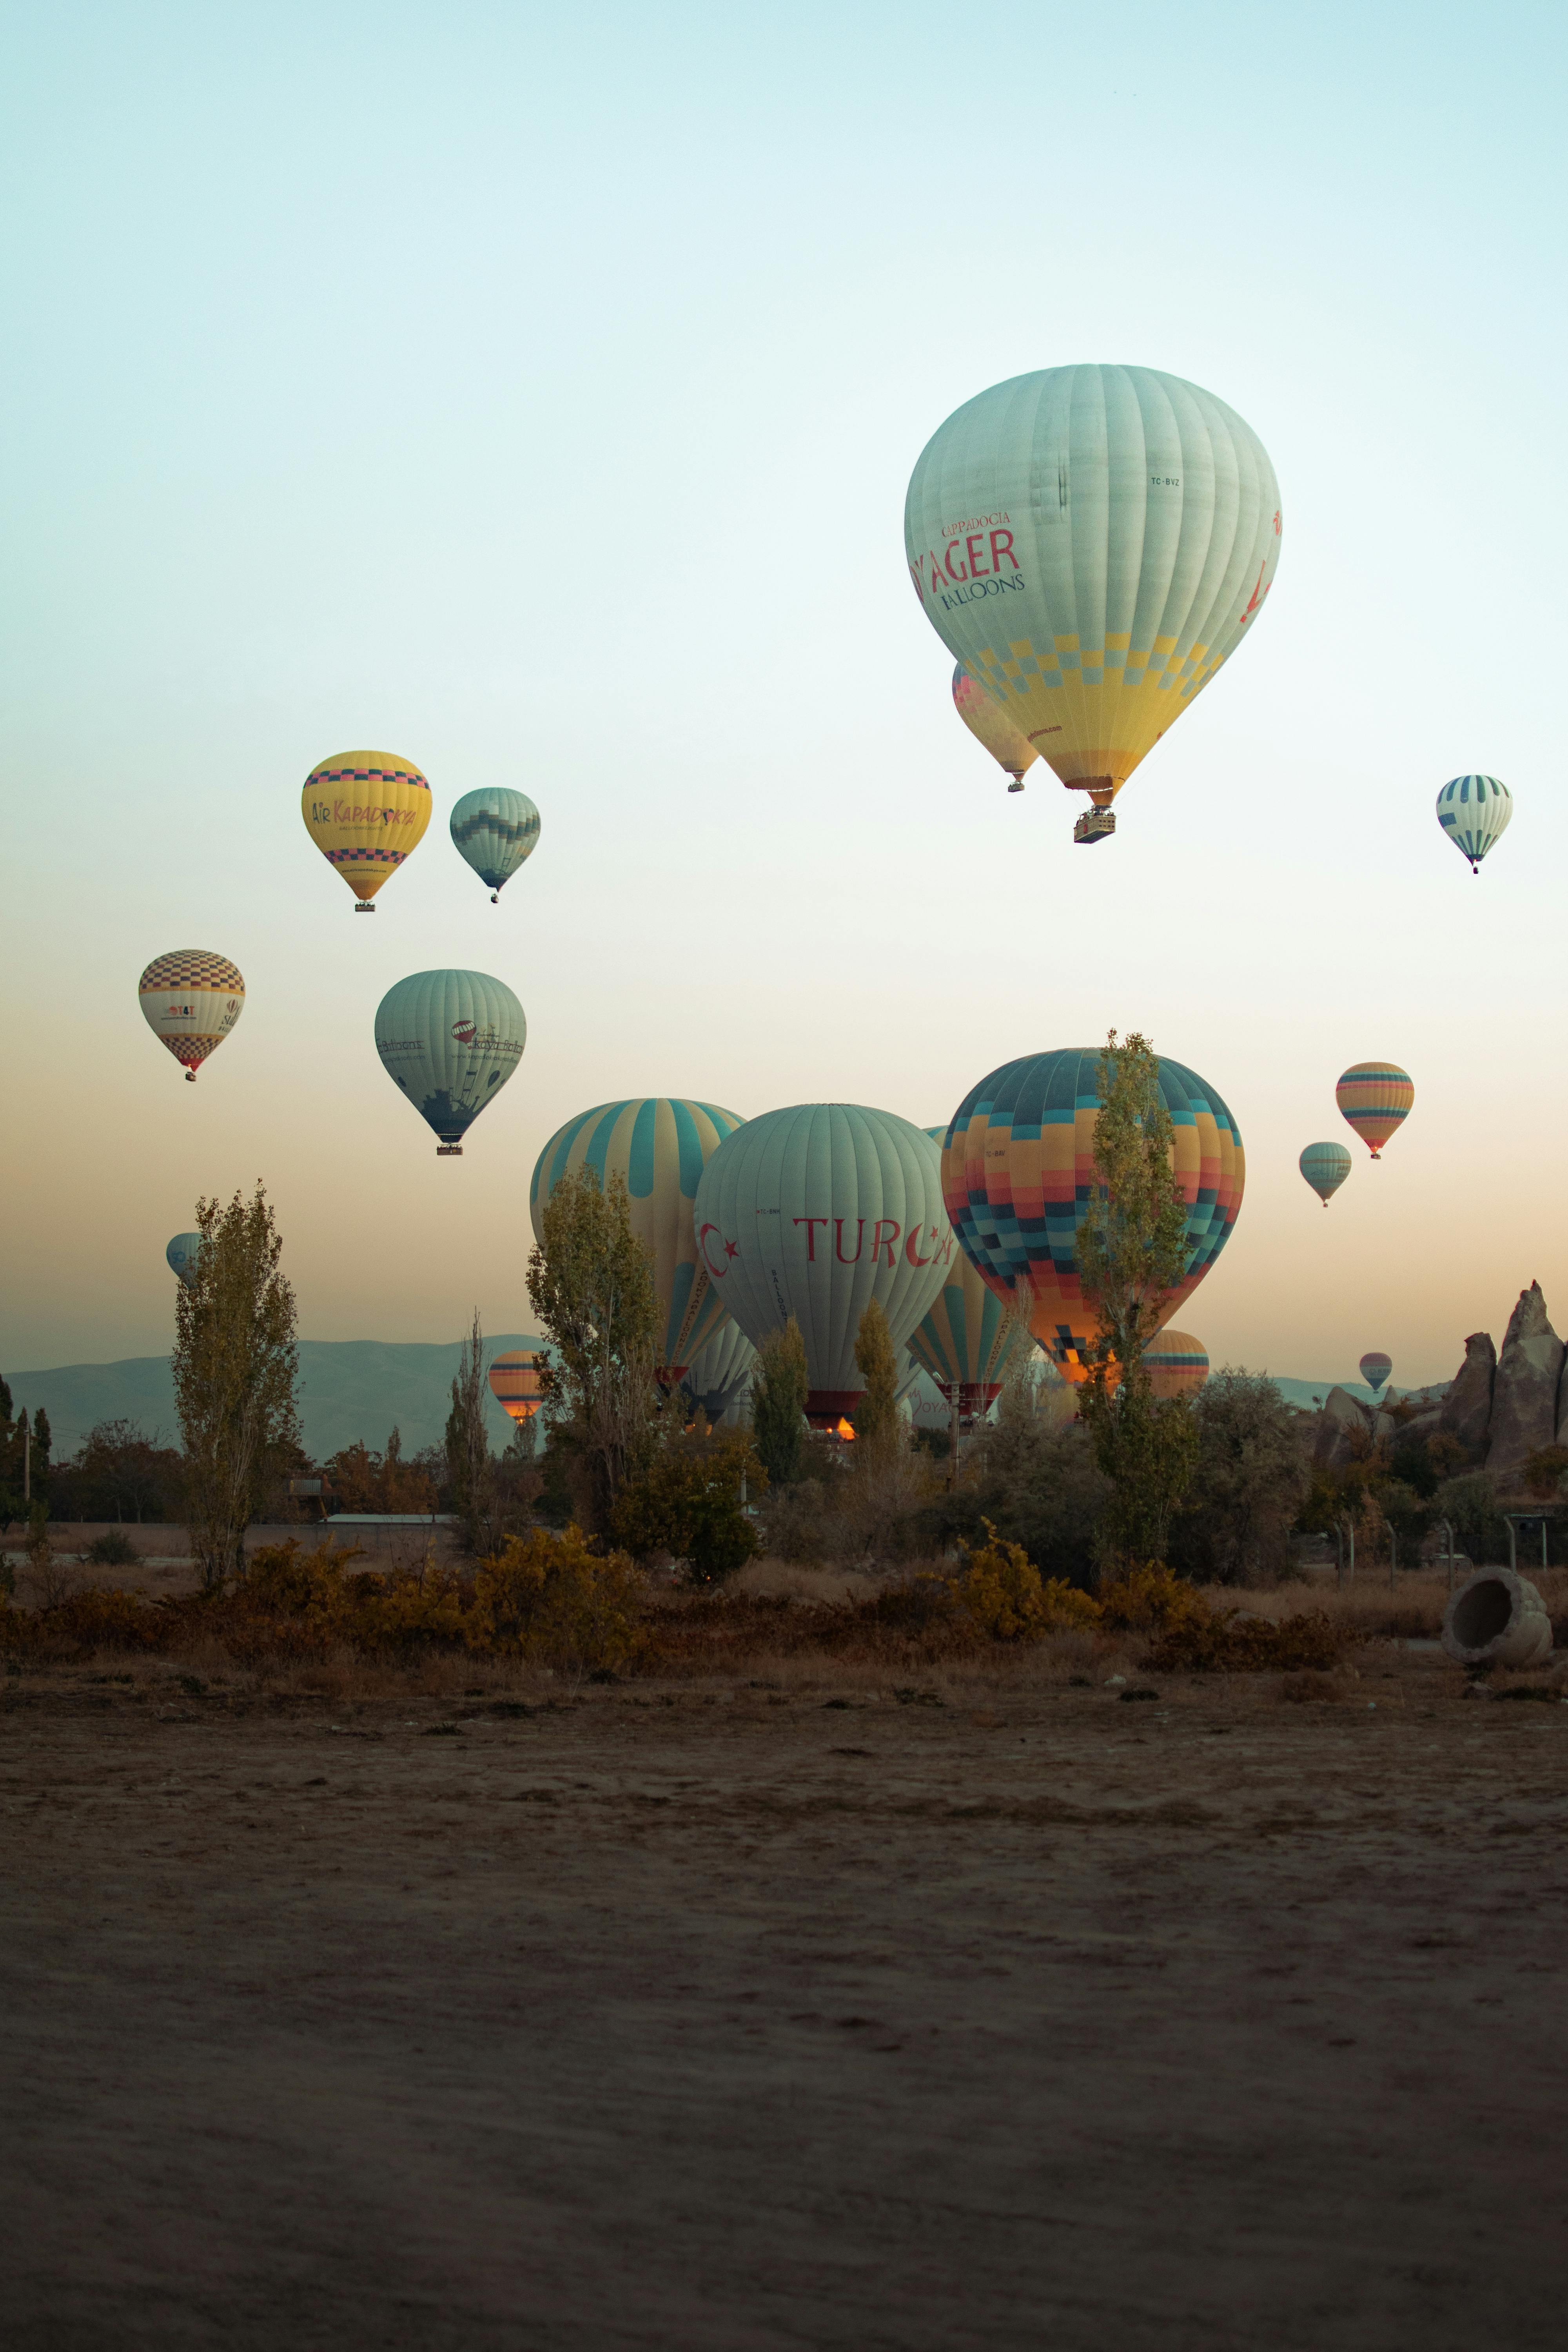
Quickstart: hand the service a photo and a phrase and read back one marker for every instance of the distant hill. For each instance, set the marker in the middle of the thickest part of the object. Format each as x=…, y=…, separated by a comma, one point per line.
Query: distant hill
x=349, y=1388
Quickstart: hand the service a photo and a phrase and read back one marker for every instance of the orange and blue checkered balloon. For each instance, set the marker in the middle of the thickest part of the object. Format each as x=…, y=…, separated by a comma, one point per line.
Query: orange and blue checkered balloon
x=1374, y=1098
x=1018, y=1175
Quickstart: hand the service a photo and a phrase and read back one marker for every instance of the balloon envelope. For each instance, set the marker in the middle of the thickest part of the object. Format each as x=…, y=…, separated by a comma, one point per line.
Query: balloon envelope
x=1375, y=1369
x=494, y=830
x=450, y=1040
x=1374, y=1098
x=990, y=726
x=659, y=1144
x=1325, y=1166
x=515, y=1382
x=966, y=1339
x=1018, y=1174
x=720, y=1370
x=1176, y=1363
x=366, y=811
x=1474, y=812
x=191, y=998
x=1092, y=543
x=182, y=1254
x=815, y=1211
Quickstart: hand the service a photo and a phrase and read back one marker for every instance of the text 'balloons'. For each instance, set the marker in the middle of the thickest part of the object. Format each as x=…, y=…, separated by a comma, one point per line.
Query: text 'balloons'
x=450, y=1040
x=190, y=999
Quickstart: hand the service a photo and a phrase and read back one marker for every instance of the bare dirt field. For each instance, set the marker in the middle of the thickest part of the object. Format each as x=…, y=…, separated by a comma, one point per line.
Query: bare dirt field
x=714, y=2014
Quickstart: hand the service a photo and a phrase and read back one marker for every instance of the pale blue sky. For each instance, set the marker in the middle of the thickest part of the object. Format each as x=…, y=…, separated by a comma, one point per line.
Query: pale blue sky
x=533, y=393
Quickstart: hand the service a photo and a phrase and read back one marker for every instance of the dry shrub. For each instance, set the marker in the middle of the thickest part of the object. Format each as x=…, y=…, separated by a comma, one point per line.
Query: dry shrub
x=1226, y=1643
x=1008, y=1599
x=549, y=1599
x=1150, y=1598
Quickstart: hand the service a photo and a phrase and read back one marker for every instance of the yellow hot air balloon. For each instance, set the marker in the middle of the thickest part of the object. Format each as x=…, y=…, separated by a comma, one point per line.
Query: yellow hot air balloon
x=990, y=726
x=365, y=812
x=1092, y=543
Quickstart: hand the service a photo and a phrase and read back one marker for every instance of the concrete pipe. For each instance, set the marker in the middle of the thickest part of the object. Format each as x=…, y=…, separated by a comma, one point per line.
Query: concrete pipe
x=1497, y=1619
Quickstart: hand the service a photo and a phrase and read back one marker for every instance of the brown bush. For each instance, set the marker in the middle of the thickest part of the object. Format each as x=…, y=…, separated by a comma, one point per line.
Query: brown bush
x=1221, y=1642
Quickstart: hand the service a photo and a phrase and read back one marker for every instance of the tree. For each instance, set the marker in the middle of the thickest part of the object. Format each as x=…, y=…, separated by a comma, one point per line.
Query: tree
x=779, y=1390
x=1235, y=1522
x=364, y=1481
x=877, y=1408
x=687, y=1500
x=468, y=1445
x=591, y=1282
x=236, y=1368
x=120, y=1473
x=1132, y=1251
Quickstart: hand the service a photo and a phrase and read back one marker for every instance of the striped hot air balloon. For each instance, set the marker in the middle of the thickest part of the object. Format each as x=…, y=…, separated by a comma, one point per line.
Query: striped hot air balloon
x=1018, y=1172
x=965, y=1341
x=1374, y=1098
x=1176, y=1363
x=494, y=830
x=1474, y=812
x=1092, y=543
x=1325, y=1166
x=1375, y=1369
x=991, y=727
x=450, y=1040
x=814, y=1211
x=720, y=1370
x=366, y=811
x=191, y=998
x=660, y=1145
x=515, y=1382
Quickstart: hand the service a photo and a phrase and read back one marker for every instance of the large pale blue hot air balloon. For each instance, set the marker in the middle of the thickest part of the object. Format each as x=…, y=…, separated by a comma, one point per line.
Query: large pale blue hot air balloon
x=450, y=1040
x=495, y=830
x=814, y=1211
x=719, y=1371
x=1474, y=810
x=1325, y=1166
x=182, y=1254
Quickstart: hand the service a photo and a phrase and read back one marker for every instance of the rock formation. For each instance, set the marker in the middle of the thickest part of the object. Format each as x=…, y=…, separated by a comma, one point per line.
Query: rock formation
x=1524, y=1395
x=1467, y=1408
x=1342, y=1424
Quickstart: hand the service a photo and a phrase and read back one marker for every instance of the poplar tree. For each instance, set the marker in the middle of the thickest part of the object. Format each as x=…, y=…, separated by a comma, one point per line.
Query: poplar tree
x=235, y=1369
x=877, y=1408
x=591, y=1282
x=779, y=1390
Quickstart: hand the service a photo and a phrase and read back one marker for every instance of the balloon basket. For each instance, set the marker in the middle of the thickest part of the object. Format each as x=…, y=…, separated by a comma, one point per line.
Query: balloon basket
x=1095, y=825
x=190, y=1078
x=365, y=905
x=449, y=1151
x=1016, y=785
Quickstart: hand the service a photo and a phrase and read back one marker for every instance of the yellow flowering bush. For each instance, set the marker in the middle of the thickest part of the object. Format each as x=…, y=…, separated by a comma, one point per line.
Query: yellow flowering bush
x=1008, y=1599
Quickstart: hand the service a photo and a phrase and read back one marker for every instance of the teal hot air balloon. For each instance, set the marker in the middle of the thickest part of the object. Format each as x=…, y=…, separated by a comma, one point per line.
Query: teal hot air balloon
x=495, y=830
x=965, y=1341
x=719, y=1372
x=1325, y=1166
x=1474, y=810
x=1375, y=1369
x=450, y=1040
x=182, y=1254
x=814, y=1211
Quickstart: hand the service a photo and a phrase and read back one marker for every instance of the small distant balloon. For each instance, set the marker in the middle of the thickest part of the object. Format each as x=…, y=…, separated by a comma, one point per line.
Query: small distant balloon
x=515, y=1382
x=991, y=727
x=182, y=1254
x=1375, y=1369
x=1374, y=1098
x=450, y=1040
x=366, y=811
x=1176, y=1363
x=494, y=830
x=191, y=998
x=1325, y=1166
x=1474, y=812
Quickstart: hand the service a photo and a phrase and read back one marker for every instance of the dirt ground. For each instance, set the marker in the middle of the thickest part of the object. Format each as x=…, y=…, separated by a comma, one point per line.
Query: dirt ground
x=730, y=2016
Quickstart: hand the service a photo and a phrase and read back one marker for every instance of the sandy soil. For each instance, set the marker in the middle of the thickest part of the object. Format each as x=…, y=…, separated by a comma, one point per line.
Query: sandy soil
x=751, y=2016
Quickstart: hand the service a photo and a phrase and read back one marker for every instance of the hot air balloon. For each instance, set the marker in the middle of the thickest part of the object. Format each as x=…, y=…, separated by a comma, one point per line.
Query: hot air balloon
x=719, y=1371
x=1474, y=810
x=190, y=999
x=515, y=1382
x=1375, y=1369
x=991, y=727
x=495, y=830
x=1374, y=1098
x=815, y=1211
x=1018, y=1171
x=365, y=812
x=1176, y=1363
x=450, y=1040
x=967, y=1336
x=182, y=1254
x=1090, y=543
x=1325, y=1166
x=660, y=1144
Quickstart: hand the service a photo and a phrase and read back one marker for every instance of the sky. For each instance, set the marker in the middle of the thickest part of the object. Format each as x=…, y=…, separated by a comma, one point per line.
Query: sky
x=534, y=392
